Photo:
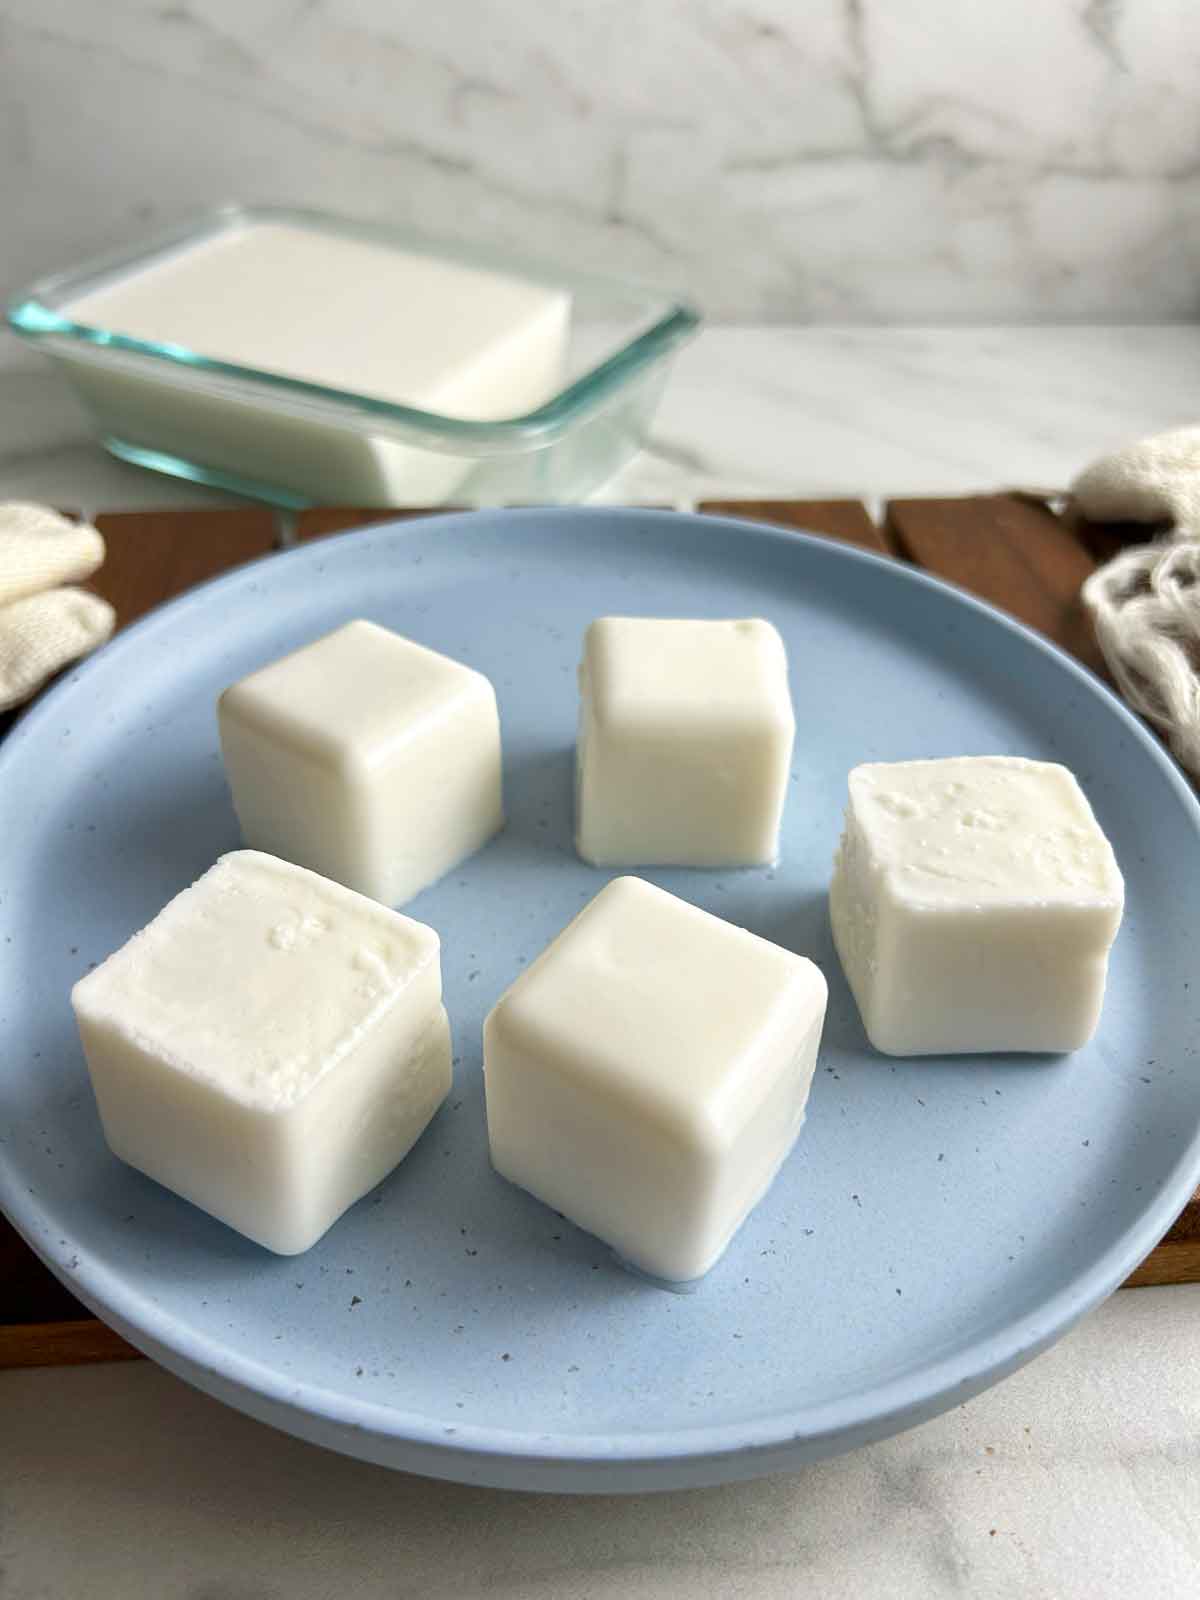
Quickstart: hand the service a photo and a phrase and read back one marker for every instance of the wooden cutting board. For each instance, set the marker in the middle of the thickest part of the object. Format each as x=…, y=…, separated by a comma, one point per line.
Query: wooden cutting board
x=1007, y=548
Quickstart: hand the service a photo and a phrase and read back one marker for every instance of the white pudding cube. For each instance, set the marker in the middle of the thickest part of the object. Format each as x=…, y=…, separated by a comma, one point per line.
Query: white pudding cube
x=974, y=902
x=685, y=743
x=367, y=758
x=320, y=304
x=269, y=1047
x=649, y=1072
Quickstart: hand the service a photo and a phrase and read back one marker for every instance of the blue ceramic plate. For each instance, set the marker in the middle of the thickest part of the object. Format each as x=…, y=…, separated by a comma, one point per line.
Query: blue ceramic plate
x=939, y=1222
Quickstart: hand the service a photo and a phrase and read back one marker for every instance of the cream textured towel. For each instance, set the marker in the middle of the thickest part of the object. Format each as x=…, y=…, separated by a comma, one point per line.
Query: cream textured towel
x=39, y=549
x=43, y=627
x=1145, y=603
x=1156, y=480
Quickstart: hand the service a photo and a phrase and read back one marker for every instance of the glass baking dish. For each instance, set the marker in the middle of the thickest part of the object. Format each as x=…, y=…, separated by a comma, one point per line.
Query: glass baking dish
x=295, y=443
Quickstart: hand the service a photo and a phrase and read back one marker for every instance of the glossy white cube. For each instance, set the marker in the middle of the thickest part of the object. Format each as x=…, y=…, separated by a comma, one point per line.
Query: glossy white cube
x=367, y=758
x=974, y=902
x=648, y=1074
x=269, y=1047
x=685, y=742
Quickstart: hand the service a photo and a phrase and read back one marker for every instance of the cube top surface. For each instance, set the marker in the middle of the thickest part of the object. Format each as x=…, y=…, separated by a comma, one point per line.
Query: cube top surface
x=359, y=693
x=984, y=832
x=259, y=978
x=672, y=670
x=649, y=996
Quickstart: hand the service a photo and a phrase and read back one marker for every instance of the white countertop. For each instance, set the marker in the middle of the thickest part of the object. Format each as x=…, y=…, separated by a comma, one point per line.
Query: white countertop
x=1078, y=1477
x=784, y=412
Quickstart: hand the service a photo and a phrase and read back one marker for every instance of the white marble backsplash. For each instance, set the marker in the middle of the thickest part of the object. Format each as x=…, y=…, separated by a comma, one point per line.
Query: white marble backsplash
x=832, y=160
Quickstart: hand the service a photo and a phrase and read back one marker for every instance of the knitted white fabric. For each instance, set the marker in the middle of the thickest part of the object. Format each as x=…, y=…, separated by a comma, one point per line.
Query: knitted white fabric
x=44, y=627
x=1145, y=603
x=43, y=633
x=39, y=549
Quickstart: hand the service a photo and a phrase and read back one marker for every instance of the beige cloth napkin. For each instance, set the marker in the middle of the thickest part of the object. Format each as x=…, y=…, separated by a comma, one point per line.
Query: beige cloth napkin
x=1145, y=603
x=43, y=625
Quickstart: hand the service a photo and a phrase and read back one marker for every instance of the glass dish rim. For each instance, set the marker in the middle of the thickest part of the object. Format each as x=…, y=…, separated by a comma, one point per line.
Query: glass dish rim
x=32, y=318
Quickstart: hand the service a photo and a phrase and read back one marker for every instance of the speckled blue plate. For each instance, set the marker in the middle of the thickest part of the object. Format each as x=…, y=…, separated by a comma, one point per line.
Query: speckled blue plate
x=939, y=1222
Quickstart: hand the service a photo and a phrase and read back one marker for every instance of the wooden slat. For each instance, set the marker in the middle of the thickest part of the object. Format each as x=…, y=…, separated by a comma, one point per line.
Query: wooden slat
x=1104, y=540
x=153, y=555
x=1010, y=551
x=1171, y=1261
x=1176, y=1258
x=62, y=1344
x=41, y=1322
x=320, y=521
x=847, y=520
x=29, y=1292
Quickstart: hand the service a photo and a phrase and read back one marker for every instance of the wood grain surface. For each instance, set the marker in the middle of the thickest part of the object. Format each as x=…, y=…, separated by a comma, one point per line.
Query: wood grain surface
x=1008, y=550
x=847, y=520
x=1011, y=551
x=320, y=521
x=153, y=556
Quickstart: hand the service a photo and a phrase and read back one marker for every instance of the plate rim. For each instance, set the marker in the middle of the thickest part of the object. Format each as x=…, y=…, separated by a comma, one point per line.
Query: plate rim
x=875, y=1411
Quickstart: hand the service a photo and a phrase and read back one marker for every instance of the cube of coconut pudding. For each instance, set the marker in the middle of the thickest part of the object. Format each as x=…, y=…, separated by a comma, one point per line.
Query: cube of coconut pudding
x=365, y=757
x=685, y=742
x=974, y=902
x=648, y=1074
x=269, y=1047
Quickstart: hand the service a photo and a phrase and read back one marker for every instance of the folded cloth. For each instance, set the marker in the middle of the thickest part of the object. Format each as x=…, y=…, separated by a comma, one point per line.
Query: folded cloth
x=43, y=633
x=39, y=549
x=43, y=627
x=1145, y=603
x=1155, y=480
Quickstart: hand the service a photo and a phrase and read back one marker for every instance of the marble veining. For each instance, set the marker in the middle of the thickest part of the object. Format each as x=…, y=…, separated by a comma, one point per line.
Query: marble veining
x=845, y=160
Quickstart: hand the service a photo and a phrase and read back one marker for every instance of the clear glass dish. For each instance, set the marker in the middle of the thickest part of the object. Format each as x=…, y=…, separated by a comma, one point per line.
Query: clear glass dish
x=295, y=443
